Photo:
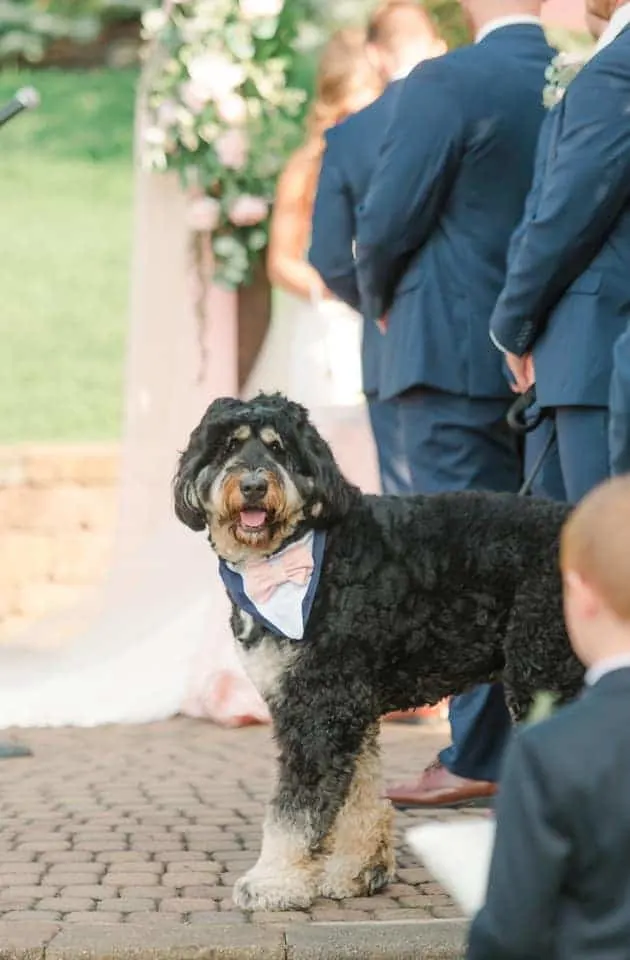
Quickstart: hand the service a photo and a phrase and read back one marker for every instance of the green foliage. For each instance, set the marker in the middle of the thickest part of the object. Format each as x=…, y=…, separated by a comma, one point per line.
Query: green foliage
x=448, y=16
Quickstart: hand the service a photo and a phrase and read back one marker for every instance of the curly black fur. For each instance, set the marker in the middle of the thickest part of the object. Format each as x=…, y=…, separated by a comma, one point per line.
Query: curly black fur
x=419, y=598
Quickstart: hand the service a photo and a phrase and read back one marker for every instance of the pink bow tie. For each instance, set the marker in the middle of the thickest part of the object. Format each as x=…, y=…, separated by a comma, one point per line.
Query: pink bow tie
x=262, y=578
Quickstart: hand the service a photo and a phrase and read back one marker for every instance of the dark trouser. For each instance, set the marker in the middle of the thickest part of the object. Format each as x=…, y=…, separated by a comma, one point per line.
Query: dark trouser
x=459, y=443
x=548, y=483
x=388, y=438
x=583, y=448
x=579, y=458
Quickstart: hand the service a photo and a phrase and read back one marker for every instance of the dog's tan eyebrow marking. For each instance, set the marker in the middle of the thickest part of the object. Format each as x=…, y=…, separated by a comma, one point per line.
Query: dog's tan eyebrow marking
x=242, y=433
x=268, y=435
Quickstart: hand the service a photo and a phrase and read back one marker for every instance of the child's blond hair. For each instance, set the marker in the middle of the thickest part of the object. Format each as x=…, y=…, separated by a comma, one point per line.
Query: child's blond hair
x=595, y=543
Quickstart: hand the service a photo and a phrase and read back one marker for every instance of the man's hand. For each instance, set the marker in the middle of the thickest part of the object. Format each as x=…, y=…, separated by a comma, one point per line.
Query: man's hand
x=522, y=369
x=382, y=324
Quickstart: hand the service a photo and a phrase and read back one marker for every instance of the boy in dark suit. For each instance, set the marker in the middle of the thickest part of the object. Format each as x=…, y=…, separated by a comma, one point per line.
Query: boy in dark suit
x=559, y=883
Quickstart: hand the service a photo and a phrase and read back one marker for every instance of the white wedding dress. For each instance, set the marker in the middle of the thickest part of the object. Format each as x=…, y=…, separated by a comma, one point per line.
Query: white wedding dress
x=155, y=641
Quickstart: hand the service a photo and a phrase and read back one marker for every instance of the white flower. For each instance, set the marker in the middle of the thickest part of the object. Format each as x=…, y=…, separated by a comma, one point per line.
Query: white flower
x=154, y=136
x=261, y=9
x=213, y=76
x=185, y=118
x=309, y=37
x=153, y=21
x=167, y=112
x=154, y=159
x=232, y=109
x=190, y=140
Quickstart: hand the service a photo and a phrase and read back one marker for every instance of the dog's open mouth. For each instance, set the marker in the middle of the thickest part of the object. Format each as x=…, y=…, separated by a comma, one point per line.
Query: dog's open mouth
x=253, y=521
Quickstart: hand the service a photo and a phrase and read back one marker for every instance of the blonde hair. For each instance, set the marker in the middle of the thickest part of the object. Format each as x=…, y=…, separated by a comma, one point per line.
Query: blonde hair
x=394, y=23
x=595, y=544
x=343, y=70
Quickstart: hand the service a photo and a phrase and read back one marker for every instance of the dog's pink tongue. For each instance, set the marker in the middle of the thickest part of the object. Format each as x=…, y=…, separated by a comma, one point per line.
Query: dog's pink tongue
x=253, y=518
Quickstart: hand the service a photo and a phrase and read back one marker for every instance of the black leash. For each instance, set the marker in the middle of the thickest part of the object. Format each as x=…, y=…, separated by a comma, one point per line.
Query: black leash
x=520, y=424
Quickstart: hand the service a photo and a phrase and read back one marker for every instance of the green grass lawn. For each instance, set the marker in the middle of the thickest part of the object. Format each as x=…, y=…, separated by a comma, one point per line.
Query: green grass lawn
x=65, y=230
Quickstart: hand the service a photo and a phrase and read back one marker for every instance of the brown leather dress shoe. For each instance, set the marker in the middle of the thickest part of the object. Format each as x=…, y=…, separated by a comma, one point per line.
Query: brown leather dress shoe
x=419, y=714
x=438, y=787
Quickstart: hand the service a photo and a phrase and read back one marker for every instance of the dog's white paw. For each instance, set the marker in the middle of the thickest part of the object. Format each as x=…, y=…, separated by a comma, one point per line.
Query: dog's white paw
x=337, y=885
x=262, y=891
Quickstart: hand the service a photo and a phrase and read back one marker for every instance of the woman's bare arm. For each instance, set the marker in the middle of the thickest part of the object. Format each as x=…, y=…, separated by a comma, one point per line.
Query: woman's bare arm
x=290, y=230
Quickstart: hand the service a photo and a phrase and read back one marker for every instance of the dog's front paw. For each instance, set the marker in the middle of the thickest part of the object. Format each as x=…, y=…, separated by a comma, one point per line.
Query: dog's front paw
x=337, y=885
x=262, y=891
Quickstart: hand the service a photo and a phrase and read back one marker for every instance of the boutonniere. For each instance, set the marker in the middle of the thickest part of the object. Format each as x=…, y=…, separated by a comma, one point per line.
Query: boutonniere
x=543, y=707
x=561, y=71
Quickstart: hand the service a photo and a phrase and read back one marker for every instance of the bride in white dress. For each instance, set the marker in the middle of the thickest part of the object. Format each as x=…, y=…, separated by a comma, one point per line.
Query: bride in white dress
x=155, y=641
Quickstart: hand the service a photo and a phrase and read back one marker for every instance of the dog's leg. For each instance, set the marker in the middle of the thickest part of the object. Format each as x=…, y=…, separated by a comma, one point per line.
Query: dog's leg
x=318, y=759
x=361, y=860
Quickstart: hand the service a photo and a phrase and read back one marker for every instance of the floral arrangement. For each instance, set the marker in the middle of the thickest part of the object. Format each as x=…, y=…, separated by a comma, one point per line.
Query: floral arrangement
x=561, y=71
x=225, y=111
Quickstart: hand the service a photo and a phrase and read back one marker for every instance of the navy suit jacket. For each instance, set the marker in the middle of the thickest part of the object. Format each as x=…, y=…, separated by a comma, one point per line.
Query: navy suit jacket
x=567, y=295
x=619, y=423
x=449, y=189
x=351, y=154
x=559, y=885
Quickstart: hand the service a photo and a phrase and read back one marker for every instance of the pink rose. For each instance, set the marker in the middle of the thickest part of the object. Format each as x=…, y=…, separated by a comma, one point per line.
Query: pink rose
x=167, y=113
x=232, y=109
x=247, y=211
x=261, y=9
x=193, y=96
x=203, y=214
x=231, y=148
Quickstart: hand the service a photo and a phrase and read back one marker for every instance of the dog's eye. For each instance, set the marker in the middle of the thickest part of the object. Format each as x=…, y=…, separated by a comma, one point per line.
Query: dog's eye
x=230, y=444
x=275, y=446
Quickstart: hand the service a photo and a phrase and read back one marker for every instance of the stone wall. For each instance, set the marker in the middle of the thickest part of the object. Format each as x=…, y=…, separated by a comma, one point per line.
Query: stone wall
x=57, y=513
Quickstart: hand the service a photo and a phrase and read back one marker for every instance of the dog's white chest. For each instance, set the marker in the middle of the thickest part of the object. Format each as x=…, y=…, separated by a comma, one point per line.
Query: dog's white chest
x=266, y=662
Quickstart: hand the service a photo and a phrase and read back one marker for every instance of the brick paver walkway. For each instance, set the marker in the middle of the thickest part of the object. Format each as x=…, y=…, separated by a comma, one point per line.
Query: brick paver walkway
x=152, y=824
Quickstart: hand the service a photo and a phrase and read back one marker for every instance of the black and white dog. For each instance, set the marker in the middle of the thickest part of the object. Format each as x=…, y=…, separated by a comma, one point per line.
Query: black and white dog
x=348, y=606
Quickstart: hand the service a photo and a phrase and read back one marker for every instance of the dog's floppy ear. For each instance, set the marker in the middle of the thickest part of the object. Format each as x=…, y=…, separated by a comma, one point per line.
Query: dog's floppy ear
x=188, y=509
x=198, y=454
x=330, y=496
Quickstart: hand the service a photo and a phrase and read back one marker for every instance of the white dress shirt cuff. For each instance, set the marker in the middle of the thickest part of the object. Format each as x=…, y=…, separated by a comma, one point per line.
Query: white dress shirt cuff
x=498, y=345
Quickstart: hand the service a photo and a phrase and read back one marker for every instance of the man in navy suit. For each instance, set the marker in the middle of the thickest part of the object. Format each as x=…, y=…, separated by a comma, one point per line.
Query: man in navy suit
x=559, y=884
x=432, y=238
x=566, y=299
x=400, y=35
x=538, y=444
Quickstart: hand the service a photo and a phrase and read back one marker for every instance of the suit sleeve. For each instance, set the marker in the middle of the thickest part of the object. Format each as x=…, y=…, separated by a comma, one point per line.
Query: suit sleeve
x=585, y=187
x=533, y=197
x=619, y=422
x=529, y=864
x=531, y=205
x=415, y=171
x=333, y=232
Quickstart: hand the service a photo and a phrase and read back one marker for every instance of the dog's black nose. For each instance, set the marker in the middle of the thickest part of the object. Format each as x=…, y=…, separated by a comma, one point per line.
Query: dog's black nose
x=254, y=485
